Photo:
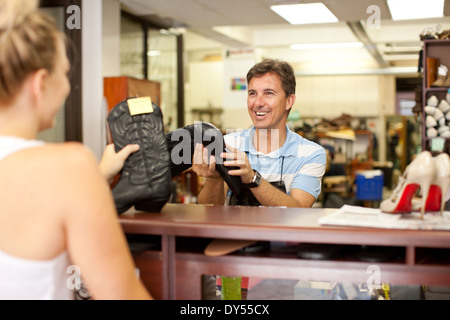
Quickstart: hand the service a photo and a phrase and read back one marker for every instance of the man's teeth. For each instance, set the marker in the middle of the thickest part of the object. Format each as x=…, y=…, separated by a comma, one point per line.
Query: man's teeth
x=260, y=113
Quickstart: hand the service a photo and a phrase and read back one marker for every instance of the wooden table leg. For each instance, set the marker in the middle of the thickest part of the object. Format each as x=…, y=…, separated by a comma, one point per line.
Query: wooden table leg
x=168, y=266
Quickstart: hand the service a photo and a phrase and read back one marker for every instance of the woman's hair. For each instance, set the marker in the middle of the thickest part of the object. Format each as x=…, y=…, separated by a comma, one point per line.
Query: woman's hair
x=283, y=69
x=27, y=44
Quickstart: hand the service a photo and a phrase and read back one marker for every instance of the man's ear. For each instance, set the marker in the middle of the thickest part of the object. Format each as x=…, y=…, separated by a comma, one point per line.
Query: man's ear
x=38, y=84
x=290, y=102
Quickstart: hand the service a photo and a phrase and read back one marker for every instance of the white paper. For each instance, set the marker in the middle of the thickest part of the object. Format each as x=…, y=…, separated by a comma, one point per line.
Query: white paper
x=374, y=218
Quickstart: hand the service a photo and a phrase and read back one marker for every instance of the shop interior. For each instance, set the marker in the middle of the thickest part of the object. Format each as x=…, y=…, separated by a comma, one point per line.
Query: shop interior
x=363, y=79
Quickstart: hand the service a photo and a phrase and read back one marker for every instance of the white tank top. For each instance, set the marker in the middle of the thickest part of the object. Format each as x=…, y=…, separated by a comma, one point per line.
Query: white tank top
x=25, y=279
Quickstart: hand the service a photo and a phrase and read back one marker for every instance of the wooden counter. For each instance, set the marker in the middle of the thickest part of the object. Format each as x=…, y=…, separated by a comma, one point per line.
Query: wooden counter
x=174, y=270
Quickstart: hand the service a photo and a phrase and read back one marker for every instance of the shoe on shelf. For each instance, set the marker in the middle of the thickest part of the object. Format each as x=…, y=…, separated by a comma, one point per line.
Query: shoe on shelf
x=430, y=122
x=419, y=173
x=438, y=114
x=445, y=134
x=433, y=101
x=442, y=76
x=443, y=129
x=430, y=110
x=432, y=132
x=444, y=106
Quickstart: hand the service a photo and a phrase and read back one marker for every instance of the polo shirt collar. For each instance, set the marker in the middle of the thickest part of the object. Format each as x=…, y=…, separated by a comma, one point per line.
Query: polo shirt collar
x=289, y=147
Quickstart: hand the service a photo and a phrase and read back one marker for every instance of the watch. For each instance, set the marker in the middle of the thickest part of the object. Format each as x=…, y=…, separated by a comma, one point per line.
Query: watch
x=256, y=181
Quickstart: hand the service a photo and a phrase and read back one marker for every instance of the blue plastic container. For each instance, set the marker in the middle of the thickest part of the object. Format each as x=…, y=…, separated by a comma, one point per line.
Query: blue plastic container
x=369, y=185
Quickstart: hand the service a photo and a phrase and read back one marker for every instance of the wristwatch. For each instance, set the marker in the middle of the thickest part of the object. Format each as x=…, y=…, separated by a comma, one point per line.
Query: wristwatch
x=256, y=181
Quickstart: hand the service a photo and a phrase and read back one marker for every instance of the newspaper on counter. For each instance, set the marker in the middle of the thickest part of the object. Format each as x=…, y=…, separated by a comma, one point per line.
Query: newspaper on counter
x=356, y=216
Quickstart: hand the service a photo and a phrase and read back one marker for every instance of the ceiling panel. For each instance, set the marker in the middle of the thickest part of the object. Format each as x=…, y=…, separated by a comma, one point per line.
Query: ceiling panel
x=356, y=10
x=263, y=28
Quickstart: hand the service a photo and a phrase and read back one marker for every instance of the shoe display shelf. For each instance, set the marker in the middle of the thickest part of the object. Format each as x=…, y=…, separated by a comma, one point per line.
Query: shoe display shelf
x=436, y=96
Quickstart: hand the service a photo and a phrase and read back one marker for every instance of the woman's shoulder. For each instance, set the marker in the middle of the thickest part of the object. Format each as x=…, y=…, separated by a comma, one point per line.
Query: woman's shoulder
x=71, y=152
x=58, y=159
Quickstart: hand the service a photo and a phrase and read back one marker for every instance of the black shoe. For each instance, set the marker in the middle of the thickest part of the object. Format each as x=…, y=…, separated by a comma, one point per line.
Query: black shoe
x=145, y=181
x=181, y=144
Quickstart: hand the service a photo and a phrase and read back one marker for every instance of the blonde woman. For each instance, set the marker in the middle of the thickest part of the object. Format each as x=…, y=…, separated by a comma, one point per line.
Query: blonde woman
x=57, y=214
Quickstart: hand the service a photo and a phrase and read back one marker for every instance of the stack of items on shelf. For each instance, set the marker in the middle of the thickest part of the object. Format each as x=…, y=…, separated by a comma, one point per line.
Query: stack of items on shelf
x=437, y=119
x=435, y=33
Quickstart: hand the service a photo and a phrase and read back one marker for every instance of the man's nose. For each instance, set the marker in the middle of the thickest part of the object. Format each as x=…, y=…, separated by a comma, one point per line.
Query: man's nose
x=259, y=100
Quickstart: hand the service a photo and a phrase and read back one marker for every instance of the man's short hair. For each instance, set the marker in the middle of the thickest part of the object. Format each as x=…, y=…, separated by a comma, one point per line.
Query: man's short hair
x=283, y=69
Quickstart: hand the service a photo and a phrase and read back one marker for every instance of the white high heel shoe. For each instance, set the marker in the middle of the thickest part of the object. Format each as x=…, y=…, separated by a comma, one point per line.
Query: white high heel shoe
x=437, y=196
x=419, y=173
x=440, y=187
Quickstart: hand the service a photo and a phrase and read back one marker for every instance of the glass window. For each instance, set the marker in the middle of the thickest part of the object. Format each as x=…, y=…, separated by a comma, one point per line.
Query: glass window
x=131, y=48
x=58, y=132
x=162, y=68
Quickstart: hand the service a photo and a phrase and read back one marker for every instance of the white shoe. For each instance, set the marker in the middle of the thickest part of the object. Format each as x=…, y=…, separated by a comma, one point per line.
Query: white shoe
x=429, y=110
x=430, y=122
x=445, y=134
x=439, y=192
x=443, y=129
x=438, y=114
x=433, y=101
x=444, y=106
x=419, y=173
x=432, y=133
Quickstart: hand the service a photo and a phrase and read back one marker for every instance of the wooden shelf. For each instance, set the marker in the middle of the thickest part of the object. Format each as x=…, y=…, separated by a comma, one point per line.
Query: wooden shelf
x=439, y=50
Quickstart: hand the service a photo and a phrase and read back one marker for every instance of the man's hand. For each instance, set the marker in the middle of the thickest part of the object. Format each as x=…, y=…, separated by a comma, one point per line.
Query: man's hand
x=202, y=165
x=236, y=158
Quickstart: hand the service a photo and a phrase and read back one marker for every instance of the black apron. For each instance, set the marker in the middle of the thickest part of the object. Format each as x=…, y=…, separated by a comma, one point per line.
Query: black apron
x=246, y=197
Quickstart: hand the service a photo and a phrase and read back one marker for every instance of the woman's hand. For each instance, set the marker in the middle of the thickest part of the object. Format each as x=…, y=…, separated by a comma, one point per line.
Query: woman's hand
x=112, y=162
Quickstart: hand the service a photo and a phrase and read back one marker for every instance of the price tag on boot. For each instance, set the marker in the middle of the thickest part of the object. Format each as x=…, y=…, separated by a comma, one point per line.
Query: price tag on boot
x=139, y=106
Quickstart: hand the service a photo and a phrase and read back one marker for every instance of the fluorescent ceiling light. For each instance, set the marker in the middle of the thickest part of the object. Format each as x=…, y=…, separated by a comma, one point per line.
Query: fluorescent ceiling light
x=416, y=9
x=153, y=53
x=335, y=45
x=305, y=13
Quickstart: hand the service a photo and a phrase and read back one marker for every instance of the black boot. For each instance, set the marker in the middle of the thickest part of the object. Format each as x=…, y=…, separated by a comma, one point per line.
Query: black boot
x=145, y=182
x=181, y=144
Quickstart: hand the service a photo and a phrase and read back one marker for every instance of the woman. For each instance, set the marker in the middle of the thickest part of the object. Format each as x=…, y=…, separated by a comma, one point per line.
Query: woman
x=56, y=211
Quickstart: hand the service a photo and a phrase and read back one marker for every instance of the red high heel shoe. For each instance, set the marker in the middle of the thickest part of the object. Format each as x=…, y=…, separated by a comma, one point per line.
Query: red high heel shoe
x=419, y=173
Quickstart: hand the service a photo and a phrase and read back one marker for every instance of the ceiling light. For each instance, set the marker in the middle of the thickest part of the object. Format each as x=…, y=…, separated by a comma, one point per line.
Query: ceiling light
x=415, y=9
x=334, y=45
x=305, y=13
x=153, y=53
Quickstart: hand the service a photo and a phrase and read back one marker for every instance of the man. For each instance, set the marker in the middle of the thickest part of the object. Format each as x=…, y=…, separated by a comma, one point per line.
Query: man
x=279, y=167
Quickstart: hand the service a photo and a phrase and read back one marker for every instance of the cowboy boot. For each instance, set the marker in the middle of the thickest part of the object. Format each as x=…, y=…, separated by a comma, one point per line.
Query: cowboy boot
x=145, y=181
x=181, y=144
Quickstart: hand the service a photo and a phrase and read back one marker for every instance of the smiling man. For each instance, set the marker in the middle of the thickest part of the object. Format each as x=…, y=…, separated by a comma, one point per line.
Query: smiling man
x=279, y=167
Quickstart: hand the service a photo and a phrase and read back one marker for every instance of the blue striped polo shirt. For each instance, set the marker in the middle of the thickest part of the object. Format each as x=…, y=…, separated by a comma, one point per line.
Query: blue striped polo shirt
x=299, y=163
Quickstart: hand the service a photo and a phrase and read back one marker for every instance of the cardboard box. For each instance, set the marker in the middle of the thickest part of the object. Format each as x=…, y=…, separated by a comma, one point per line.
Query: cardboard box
x=315, y=290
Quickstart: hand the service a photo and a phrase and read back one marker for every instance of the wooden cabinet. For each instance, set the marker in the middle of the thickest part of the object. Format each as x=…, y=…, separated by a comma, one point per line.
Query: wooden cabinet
x=117, y=89
x=435, y=53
